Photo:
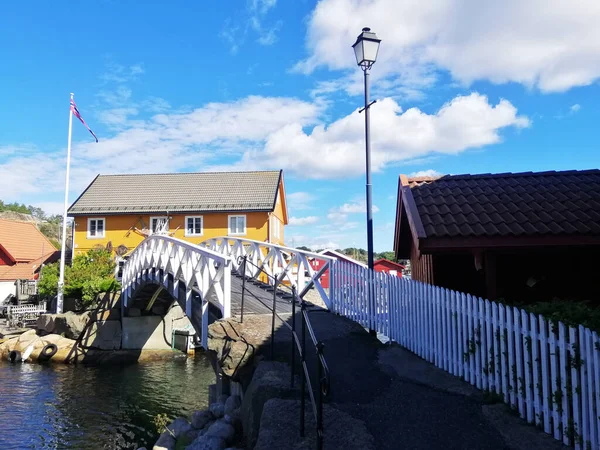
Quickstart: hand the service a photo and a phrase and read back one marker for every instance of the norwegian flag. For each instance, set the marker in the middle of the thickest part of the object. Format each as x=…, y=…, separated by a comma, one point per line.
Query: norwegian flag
x=76, y=112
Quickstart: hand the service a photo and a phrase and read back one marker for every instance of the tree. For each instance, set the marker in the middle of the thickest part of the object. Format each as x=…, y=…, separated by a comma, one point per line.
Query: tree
x=89, y=275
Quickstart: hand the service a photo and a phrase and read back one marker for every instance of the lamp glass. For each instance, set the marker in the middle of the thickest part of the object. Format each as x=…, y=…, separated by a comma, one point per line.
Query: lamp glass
x=370, y=50
x=358, y=52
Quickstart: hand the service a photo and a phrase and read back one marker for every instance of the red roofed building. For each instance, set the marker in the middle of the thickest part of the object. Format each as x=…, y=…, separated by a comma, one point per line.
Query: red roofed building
x=389, y=267
x=520, y=236
x=317, y=264
x=23, y=250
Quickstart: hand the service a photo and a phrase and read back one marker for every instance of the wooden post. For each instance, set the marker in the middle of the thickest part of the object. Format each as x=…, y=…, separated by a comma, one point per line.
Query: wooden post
x=490, y=275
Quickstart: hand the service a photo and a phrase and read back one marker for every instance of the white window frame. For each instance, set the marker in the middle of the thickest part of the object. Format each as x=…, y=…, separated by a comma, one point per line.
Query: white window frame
x=89, y=226
x=237, y=216
x=157, y=217
x=187, y=233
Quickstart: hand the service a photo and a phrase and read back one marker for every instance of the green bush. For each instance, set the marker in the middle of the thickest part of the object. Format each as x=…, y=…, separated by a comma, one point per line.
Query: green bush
x=88, y=275
x=571, y=313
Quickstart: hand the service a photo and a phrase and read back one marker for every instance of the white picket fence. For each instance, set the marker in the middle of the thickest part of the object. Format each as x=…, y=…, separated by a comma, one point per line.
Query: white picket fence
x=549, y=373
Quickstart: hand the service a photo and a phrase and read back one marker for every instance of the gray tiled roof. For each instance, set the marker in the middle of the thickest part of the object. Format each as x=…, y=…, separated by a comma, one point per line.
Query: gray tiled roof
x=179, y=192
x=520, y=204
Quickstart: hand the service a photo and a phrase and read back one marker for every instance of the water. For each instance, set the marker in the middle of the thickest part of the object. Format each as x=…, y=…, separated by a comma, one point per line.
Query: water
x=75, y=407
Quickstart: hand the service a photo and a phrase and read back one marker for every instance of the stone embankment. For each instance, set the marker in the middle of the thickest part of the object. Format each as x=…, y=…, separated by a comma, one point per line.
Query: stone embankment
x=217, y=428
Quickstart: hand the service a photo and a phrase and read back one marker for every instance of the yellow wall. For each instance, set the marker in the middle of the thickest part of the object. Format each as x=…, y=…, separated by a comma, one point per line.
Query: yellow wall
x=215, y=224
x=278, y=214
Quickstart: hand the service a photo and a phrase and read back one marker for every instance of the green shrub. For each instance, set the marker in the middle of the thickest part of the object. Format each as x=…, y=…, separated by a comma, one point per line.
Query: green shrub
x=88, y=275
x=571, y=313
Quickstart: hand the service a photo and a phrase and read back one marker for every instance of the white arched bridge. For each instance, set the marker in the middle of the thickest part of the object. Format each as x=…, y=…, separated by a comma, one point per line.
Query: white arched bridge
x=206, y=280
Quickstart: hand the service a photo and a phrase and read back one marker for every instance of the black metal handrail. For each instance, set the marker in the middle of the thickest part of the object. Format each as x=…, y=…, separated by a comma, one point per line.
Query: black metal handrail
x=323, y=374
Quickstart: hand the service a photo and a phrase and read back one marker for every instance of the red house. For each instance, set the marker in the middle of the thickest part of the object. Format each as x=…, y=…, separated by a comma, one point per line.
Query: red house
x=387, y=266
x=23, y=251
x=317, y=264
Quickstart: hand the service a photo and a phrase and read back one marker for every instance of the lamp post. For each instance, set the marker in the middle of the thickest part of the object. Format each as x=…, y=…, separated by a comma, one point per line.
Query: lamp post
x=366, y=48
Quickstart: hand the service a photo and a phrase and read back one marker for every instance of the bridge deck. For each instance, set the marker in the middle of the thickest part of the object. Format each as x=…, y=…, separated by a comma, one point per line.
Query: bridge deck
x=257, y=300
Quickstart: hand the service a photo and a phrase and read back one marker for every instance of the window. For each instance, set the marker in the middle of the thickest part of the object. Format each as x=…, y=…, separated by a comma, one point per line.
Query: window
x=159, y=223
x=95, y=228
x=193, y=226
x=237, y=224
x=275, y=227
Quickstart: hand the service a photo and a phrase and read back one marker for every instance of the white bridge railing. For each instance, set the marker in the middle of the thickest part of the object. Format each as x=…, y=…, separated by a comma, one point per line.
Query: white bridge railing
x=285, y=264
x=198, y=268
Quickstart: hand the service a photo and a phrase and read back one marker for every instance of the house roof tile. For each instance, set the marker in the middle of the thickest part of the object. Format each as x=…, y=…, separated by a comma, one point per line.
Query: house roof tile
x=23, y=241
x=544, y=203
x=179, y=192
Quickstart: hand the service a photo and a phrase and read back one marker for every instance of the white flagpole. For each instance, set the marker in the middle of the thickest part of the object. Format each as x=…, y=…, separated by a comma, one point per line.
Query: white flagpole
x=61, y=277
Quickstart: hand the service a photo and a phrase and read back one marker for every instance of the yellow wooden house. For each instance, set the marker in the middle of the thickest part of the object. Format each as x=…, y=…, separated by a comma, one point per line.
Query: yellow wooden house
x=124, y=209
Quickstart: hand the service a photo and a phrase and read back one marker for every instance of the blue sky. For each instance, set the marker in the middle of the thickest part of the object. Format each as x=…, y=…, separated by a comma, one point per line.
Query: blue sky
x=267, y=84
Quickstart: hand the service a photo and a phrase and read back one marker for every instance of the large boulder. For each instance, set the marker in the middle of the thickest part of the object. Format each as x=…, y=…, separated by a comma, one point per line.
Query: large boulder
x=206, y=442
x=217, y=409
x=69, y=324
x=232, y=404
x=179, y=427
x=236, y=344
x=201, y=418
x=223, y=430
x=271, y=380
x=279, y=424
x=166, y=441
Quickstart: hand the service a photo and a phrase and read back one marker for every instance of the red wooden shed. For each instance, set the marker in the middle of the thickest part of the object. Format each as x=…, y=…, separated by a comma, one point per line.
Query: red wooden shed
x=387, y=266
x=317, y=264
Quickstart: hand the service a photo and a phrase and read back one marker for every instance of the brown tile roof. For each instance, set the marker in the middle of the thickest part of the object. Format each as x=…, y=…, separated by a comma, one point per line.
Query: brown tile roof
x=26, y=271
x=179, y=192
x=23, y=241
x=507, y=204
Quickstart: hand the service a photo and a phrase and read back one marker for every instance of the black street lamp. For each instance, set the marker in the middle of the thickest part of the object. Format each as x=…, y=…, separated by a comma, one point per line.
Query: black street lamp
x=366, y=48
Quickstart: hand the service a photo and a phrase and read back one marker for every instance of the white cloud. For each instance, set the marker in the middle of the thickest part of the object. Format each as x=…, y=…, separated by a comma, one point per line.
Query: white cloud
x=575, y=108
x=547, y=44
x=299, y=221
x=425, y=173
x=300, y=201
x=119, y=73
x=340, y=214
x=259, y=133
x=337, y=217
x=164, y=143
x=235, y=31
x=463, y=123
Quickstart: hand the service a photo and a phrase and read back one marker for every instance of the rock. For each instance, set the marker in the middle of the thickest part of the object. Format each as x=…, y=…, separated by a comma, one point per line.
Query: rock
x=235, y=421
x=279, y=424
x=45, y=323
x=222, y=430
x=134, y=312
x=179, y=427
x=69, y=324
x=201, y=418
x=105, y=335
x=191, y=435
x=232, y=403
x=217, y=409
x=271, y=380
x=233, y=352
x=165, y=442
x=207, y=443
